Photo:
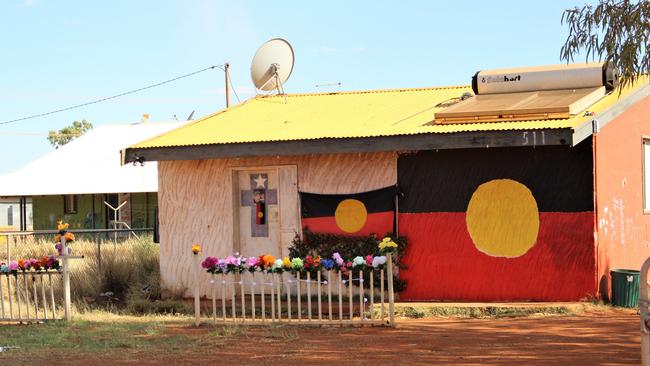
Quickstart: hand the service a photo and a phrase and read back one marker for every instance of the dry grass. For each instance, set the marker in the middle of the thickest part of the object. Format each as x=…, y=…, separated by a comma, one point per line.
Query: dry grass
x=119, y=276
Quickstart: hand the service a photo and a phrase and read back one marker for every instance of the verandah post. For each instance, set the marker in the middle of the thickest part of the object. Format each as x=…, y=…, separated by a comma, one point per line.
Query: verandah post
x=391, y=294
x=197, y=294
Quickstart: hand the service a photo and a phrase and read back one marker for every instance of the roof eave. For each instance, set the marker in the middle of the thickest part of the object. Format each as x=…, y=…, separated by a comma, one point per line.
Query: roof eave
x=592, y=126
x=424, y=141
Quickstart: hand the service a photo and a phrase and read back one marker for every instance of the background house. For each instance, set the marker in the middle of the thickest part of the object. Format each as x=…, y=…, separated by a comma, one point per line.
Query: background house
x=73, y=181
x=532, y=205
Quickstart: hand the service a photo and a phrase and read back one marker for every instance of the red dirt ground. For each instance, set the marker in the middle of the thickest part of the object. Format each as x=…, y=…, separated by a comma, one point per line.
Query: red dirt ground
x=608, y=338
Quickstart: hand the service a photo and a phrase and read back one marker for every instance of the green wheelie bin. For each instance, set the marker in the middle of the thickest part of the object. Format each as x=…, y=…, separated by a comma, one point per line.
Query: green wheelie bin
x=625, y=287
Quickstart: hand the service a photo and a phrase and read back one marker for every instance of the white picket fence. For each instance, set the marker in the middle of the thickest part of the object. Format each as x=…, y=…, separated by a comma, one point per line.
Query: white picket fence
x=29, y=296
x=326, y=298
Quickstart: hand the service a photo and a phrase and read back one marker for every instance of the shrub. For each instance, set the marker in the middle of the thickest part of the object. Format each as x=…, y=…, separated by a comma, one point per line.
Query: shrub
x=347, y=246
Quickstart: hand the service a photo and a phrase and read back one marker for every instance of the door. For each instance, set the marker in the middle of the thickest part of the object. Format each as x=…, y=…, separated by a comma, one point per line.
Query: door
x=259, y=218
x=267, y=214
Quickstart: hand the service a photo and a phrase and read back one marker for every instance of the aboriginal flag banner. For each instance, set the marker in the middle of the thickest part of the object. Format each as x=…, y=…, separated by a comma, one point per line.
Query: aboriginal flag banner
x=502, y=224
x=350, y=214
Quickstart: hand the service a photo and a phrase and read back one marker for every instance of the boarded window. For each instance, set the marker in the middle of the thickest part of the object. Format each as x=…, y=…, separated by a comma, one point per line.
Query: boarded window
x=646, y=177
x=543, y=104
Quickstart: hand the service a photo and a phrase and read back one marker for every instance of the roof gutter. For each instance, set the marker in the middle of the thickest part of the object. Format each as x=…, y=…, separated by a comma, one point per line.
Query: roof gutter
x=425, y=141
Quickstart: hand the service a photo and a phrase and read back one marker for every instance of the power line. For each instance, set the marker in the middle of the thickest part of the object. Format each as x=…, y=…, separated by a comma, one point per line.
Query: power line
x=111, y=97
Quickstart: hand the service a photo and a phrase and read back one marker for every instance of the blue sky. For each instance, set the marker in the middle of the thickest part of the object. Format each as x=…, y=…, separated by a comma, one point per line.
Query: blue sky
x=61, y=53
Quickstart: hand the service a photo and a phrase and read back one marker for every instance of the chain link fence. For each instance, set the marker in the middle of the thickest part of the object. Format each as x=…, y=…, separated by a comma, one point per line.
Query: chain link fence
x=115, y=261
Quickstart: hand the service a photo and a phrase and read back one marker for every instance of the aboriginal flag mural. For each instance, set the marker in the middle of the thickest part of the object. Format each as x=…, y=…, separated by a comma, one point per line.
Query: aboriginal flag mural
x=498, y=224
x=349, y=214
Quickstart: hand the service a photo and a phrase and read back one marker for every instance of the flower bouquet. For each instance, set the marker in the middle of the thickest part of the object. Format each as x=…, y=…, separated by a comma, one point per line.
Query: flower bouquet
x=63, y=233
x=32, y=264
x=312, y=264
x=387, y=245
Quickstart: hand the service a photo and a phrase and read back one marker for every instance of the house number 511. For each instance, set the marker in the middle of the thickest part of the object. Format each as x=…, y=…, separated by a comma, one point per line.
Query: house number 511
x=530, y=138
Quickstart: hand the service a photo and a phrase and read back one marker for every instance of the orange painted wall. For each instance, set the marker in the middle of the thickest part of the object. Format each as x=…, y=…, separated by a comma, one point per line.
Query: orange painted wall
x=622, y=230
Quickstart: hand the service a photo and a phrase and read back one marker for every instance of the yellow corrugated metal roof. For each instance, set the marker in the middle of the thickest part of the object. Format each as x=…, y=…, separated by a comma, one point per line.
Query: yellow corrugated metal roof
x=343, y=115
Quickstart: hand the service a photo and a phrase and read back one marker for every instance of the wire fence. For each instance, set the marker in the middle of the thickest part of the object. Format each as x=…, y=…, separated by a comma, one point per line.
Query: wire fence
x=109, y=257
x=88, y=242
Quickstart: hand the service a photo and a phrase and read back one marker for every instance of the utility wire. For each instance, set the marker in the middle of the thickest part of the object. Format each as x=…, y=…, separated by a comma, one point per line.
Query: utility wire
x=112, y=97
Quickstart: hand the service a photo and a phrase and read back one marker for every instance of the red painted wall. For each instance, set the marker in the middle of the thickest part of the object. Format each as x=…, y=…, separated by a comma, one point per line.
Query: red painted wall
x=623, y=230
x=444, y=263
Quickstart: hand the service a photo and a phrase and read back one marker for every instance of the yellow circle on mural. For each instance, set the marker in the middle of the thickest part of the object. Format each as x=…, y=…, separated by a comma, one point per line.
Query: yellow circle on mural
x=502, y=218
x=351, y=215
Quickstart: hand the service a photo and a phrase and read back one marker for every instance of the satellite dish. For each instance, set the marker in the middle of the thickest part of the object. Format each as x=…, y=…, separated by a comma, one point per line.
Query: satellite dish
x=272, y=65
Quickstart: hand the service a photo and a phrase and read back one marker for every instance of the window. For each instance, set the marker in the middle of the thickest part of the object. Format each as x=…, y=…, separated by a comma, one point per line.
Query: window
x=70, y=204
x=10, y=216
x=646, y=172
x=15, y=213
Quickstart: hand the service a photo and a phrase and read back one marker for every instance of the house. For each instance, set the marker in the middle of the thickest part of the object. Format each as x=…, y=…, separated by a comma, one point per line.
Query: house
x=532, y=189
x=73, y=182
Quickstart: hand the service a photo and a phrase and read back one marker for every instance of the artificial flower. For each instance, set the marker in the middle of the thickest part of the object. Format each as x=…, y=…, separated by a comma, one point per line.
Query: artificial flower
x=69, y=237
x=296, y=264
x=277, y=266
x=21, y=264
x=196, y=249
x=35, y=264
x=286, y=263
x=312, y=263
x=234, y=263
x=232, y=260
x=338, y=259
x=252, y=263
x=62, y=226
x=369, y=260
x=13, y=266
x=210, y=262
x=268, y=260
x=327, y=264
x=3, y=268
x=378, y=262
x=53, y=263
x=387, y=245
x=358, y=262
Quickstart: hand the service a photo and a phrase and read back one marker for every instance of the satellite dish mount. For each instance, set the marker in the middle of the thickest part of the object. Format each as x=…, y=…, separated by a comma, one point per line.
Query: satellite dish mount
x=272, y=65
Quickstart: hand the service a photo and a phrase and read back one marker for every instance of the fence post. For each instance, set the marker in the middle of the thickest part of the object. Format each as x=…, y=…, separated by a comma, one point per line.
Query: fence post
x=8, y=249
x=66, y=280
x=99, y=253
x=391, y=294
x=197, y=294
